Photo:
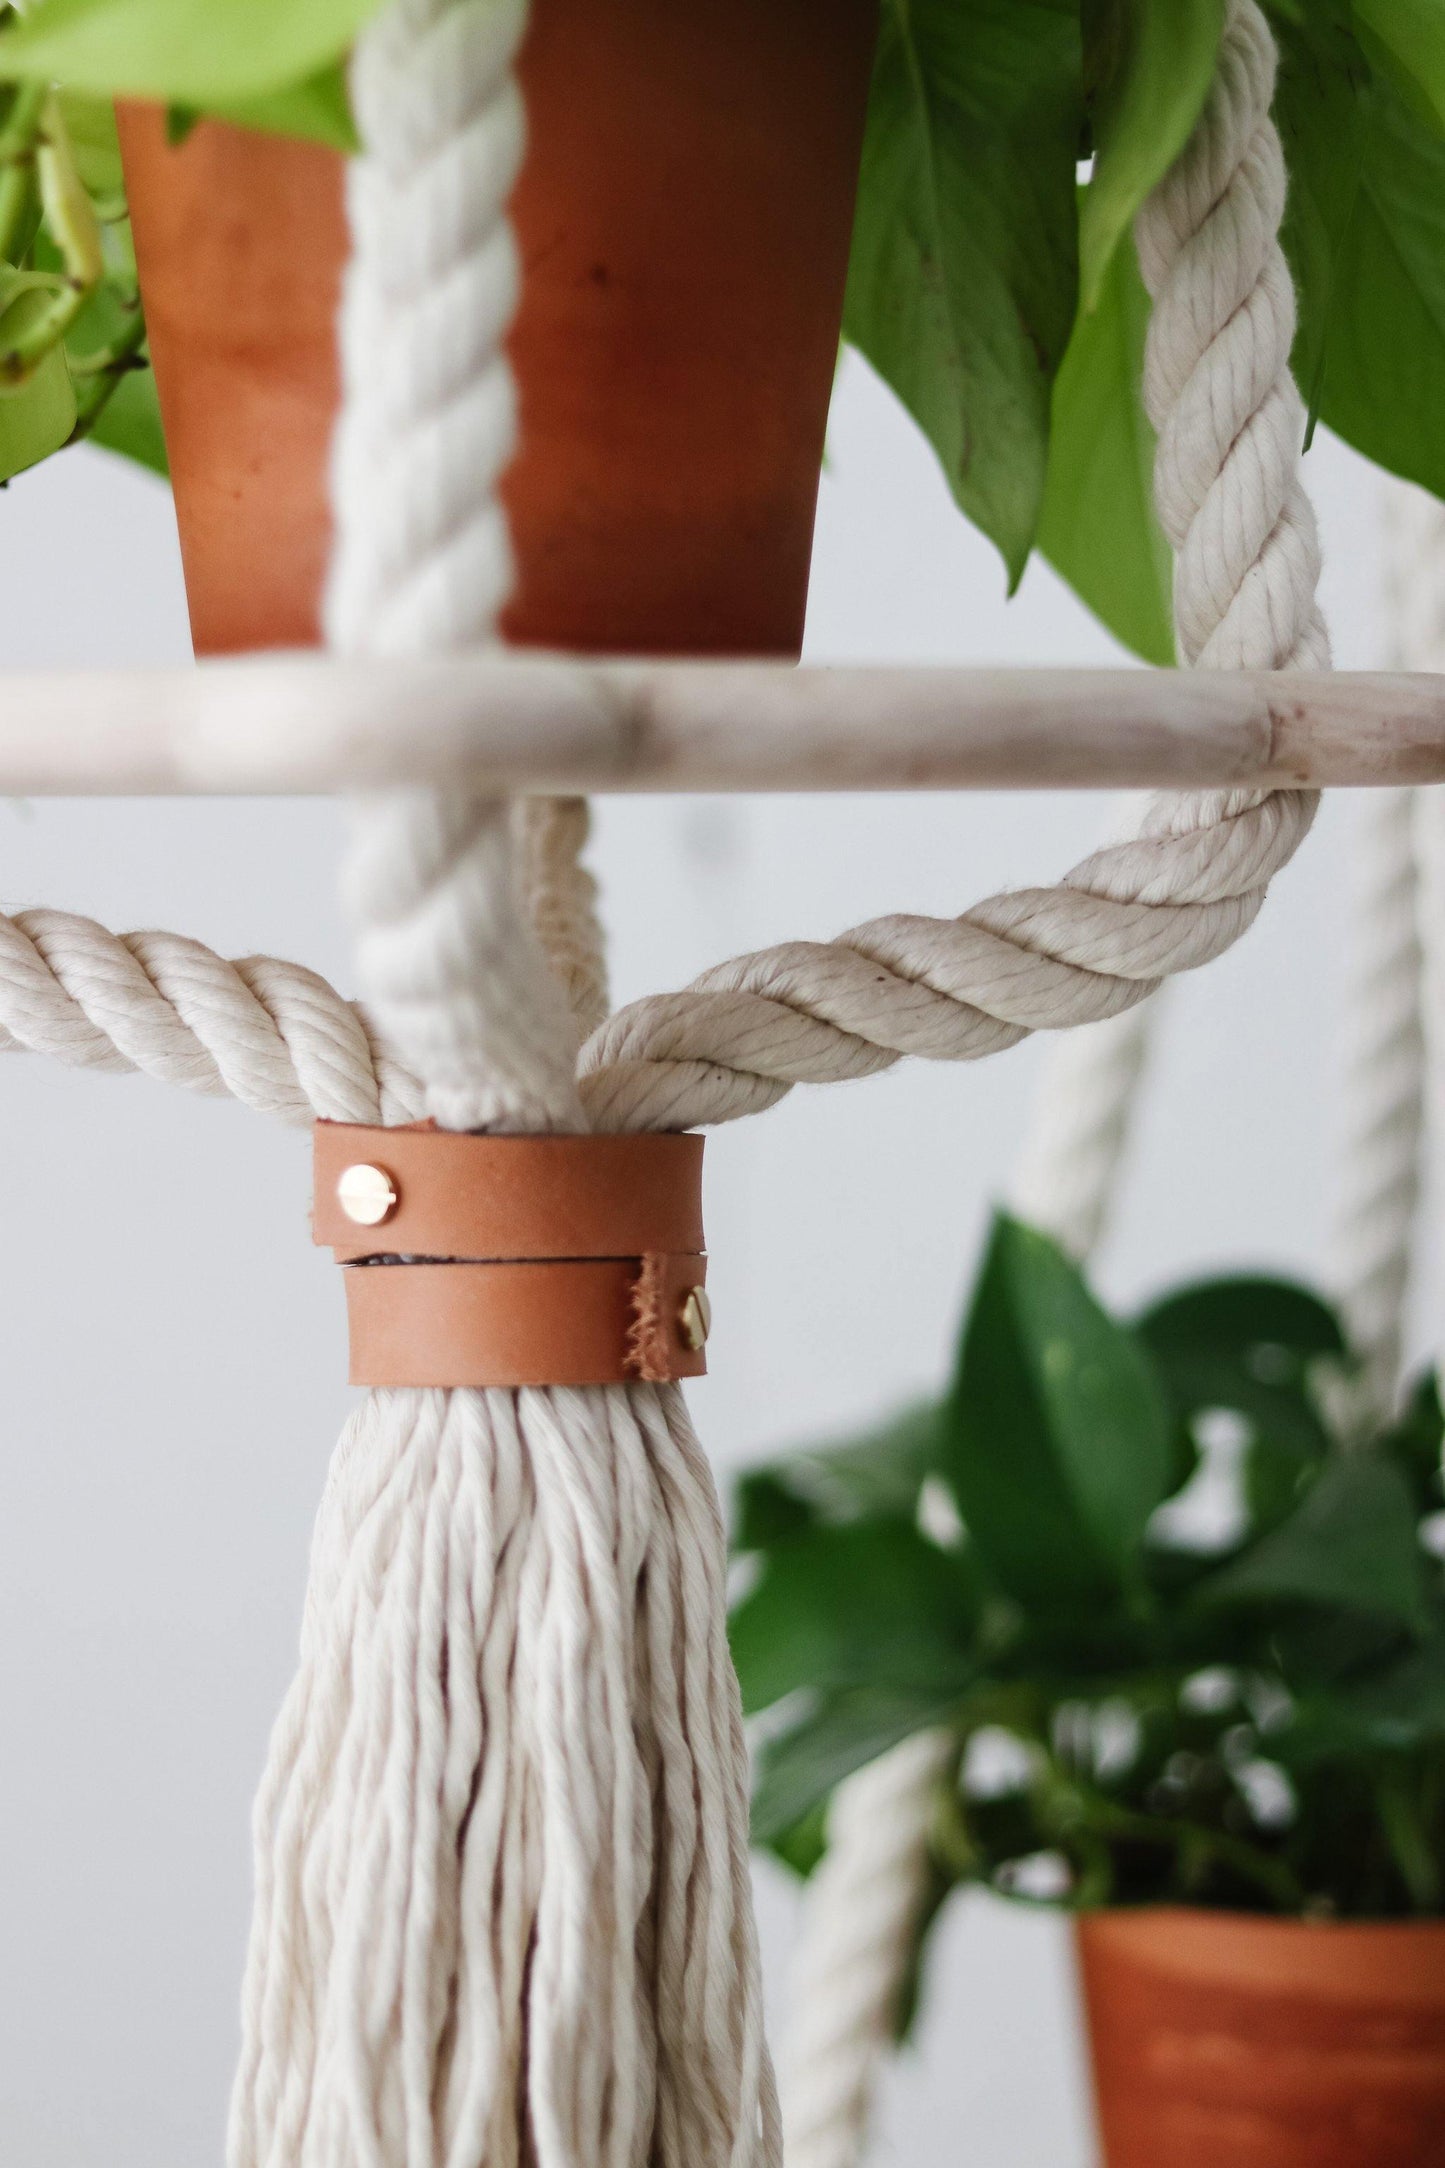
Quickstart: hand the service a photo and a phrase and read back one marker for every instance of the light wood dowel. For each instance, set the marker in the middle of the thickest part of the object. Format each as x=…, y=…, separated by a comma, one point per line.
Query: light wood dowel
x=299, y=724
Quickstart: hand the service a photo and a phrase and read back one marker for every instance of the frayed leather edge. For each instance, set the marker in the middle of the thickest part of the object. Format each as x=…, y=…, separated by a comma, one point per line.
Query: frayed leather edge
x=648, y=1354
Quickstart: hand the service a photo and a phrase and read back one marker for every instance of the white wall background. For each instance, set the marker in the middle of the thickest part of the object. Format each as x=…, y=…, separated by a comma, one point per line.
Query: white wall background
x=171, y=1348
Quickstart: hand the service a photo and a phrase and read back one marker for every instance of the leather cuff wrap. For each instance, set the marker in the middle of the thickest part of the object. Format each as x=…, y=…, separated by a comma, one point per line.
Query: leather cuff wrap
x=515, y=1260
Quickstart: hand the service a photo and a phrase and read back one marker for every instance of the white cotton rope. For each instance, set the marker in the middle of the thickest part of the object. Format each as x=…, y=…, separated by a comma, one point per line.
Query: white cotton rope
x=861, y=1913
x=1430, y=862
x=273, y=1035
x=502, y=1885
x=1230, y=423
x=1381, y=1171
x=503, y=1907
x=1413, y=526
x=1230, y=431
x=865, y=1900
x=1218, y=388
x=559, y=898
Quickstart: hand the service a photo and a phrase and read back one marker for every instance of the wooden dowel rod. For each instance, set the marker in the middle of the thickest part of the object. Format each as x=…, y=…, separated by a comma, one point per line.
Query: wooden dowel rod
x=299, y=724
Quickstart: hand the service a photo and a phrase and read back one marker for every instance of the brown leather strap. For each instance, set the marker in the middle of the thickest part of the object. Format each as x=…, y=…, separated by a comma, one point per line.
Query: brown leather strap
x=515, y=1260
x=461, y=1196
x=567, y=1322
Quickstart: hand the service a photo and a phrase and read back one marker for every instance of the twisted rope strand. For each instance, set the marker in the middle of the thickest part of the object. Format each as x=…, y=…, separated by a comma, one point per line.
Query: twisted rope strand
x=861, y=1917
x=316, y=2085
x=771, y=1042
x=1218, y=389
x=1383, y=1097
x=274, y=1035
x=429, y=423
x=1167, y=900
x=949, y=989
x=1411, y=1074
x=559, y=896
x=1230, y=424
x=503, y=1900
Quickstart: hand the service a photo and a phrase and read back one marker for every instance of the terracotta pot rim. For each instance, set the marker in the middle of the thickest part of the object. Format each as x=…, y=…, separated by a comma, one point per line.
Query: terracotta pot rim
x=1226, y=1916
x=1216, y=1928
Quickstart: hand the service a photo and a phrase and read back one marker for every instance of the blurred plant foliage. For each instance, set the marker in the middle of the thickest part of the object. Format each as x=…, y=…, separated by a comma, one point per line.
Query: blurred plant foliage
x=1179, y=1610
x=998, y=297
x=72, y=335
x=73, y=355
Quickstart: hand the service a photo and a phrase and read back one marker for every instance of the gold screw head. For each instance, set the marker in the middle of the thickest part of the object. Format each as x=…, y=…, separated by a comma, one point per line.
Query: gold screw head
x=694, y=1319
x=367, y=1195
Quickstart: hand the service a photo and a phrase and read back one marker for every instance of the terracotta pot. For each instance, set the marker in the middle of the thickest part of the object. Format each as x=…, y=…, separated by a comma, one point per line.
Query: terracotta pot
x=684, y=219
x=1223, y=2041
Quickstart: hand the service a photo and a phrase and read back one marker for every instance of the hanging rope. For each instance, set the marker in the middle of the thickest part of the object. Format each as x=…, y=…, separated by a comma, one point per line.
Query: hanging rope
x=1395, y=982
x=1415, y=544
x=273, y=1035
x=865, y=1900
x=957, y=989
x=1383, y=1098
x=1230, y=422
x=1217, y=387
x=503, y=1909
x=866, y=1897
x=502, y=1902
x=559, y=897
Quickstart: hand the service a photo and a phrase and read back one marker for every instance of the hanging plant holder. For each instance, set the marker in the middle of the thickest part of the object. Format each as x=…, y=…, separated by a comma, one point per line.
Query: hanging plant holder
x=503, y=1910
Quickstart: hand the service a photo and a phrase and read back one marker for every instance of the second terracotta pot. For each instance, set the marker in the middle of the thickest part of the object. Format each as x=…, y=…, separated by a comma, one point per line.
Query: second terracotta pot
x=684, y=218
x=1223, y=2041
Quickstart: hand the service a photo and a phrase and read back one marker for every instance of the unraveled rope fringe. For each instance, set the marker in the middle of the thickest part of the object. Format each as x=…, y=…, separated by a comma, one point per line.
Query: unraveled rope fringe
x=503, y=1905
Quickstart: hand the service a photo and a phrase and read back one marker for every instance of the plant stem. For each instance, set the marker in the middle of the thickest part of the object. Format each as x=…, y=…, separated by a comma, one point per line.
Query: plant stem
x=69, y=212
x=18, y=139
x=1405, y=1833
x=1277, y=1881
x=31, y=333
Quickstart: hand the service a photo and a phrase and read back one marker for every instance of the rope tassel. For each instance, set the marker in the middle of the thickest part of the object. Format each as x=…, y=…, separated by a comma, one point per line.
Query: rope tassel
x=502, y=1904
x=503, y=1908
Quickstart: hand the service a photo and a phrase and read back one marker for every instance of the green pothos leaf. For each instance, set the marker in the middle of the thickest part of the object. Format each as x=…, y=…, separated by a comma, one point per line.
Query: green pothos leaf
x=216, y=54
x=1151, y=63
x=964, y=273
x=843, y=1731
x=1059, y=1443
x=1098, y=527
x=1351, y=1544
x=1322, y=109
x=317, y=110
x=37, y=417
x=1407, y=39
x=871, y=1603
x=130, y=422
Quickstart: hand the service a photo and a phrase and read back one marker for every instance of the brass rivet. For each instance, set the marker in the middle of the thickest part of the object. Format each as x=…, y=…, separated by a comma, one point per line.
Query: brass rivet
x=695, y=1319
x=367, y=1195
